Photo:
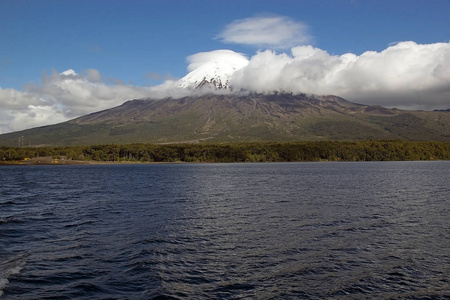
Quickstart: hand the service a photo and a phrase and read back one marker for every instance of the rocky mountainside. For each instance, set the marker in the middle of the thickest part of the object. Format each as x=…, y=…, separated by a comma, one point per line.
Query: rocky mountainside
x=239, y=118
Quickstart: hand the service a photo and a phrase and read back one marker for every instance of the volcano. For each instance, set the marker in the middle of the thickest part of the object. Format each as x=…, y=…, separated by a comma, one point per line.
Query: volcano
x=219, y=113
x=238, y=117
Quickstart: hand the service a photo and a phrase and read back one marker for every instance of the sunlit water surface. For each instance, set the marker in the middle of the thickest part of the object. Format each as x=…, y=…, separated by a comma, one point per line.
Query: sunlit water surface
x=207, y=231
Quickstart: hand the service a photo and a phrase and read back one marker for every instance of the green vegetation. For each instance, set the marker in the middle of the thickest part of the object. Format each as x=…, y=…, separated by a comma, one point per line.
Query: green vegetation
x=242, y=152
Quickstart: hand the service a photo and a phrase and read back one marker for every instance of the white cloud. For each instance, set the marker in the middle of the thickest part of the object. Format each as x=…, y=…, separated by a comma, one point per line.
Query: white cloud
x=35, y=116
x=270, y=32
x=66, y=95
x=406, y=75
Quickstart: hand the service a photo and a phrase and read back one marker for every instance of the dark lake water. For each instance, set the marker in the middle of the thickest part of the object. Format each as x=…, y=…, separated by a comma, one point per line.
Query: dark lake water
x=376, y=230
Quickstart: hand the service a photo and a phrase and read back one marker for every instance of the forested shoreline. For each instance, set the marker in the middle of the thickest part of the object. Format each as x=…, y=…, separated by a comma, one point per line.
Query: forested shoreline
x=240, y=152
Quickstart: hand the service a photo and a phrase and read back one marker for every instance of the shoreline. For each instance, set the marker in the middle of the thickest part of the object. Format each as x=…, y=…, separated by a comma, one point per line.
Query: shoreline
x=49, y=161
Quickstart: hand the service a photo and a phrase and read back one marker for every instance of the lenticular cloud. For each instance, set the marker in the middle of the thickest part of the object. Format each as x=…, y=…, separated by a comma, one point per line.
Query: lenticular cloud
x=277, y=32
x=406, y=75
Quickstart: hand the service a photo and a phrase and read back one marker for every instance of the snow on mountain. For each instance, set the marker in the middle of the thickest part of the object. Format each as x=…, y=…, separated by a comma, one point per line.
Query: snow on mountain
x=213, y=68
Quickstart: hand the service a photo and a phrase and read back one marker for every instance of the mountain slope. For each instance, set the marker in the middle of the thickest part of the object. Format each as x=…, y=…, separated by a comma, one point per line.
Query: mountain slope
x=232, y=118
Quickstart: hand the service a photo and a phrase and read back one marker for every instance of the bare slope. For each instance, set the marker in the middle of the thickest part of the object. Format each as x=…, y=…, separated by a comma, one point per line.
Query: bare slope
x=231, y=118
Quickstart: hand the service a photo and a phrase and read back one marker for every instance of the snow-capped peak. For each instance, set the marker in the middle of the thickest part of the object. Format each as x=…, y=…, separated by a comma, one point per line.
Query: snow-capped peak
x=213, y=68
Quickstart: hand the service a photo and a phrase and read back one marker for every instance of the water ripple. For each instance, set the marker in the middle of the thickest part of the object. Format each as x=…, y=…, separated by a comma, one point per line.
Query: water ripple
x=263, y=231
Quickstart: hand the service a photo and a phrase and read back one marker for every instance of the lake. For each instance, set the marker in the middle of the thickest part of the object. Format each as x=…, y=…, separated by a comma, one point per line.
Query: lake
x=336, y=230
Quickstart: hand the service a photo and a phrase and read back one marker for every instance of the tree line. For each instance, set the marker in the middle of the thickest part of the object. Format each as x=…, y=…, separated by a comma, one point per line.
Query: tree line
x=241, y=152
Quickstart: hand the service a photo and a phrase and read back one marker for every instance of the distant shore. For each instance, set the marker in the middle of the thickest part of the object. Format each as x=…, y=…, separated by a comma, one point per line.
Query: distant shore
x=47, y=160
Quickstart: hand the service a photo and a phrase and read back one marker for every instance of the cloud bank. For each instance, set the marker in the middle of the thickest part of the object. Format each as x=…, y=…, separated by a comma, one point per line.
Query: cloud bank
x=269, y=32
x=66, y=95
x=406, y=75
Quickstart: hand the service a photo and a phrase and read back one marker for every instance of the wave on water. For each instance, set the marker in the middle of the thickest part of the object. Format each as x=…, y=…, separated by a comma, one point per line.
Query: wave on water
x=11, y=266
x=226, y=231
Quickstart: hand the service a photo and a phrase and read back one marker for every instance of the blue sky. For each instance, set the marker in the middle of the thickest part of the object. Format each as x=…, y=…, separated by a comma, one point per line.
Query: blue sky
x=129, y=40
x=142, y=43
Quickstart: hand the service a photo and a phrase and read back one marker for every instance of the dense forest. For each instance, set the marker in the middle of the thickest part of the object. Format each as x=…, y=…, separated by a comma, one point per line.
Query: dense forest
x=242, y=152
